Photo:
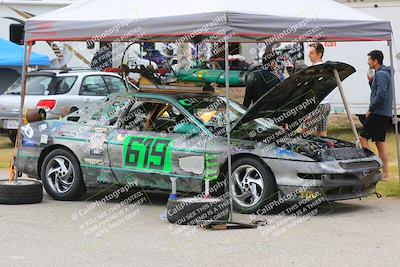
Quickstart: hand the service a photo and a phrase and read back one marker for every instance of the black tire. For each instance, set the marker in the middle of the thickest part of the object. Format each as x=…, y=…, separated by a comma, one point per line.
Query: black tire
x=188, y=211
x=24, y=191
x=77, y=189
x=13, y=137
x=269, y=192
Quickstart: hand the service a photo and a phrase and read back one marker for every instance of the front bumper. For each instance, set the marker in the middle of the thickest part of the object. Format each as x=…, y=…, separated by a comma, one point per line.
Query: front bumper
x=334, y=180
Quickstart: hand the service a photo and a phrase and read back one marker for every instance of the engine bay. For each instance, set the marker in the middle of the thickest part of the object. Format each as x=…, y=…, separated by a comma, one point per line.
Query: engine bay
x=325, y=148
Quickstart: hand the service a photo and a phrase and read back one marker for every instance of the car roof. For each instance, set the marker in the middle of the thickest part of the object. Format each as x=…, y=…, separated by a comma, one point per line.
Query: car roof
x=173, y=95
x=69, y=72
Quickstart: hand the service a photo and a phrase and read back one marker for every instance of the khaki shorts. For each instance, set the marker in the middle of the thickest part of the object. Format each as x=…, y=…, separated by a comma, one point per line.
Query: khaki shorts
x=325, y=109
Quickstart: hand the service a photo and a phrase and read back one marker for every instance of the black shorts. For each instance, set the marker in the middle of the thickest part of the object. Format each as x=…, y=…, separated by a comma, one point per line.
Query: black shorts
x=375, y=127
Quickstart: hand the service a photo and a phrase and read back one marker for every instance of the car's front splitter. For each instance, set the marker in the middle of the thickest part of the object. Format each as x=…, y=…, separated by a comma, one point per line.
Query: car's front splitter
x=335, y=180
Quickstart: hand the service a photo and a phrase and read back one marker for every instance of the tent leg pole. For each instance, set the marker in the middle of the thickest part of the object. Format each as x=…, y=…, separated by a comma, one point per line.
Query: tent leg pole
x=21, y=112
x=346, y=106
x=395, y=119
x=207, y=188
x=228, y=129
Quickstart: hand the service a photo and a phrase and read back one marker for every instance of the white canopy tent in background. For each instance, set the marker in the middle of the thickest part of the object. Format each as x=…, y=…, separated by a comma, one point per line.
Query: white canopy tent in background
x=233, y=20
x=252, y=20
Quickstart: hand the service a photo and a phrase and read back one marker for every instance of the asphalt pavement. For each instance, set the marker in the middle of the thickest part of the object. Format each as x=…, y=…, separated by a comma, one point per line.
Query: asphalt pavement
x=130, y=230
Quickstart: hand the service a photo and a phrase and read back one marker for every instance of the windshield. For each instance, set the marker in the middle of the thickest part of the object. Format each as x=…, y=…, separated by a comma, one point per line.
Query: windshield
x=43, y=85
x=211, y=110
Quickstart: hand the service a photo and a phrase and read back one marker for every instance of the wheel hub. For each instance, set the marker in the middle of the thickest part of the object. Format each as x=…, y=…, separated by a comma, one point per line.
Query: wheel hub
x=60, y=174
x=247, y=186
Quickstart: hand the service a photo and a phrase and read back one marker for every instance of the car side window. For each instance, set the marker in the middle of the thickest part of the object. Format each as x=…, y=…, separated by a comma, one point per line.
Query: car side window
x=93, y=86
x=158, y=116
x=62, y=85
x=102, y=112
x=114, y=84
x=135, y=119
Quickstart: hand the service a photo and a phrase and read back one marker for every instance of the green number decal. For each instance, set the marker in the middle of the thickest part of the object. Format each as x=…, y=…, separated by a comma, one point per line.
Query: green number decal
x=148, y=153
x=185, y=102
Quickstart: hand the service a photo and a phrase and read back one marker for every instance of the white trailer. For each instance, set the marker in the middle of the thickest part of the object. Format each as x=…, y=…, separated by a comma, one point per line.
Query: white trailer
x=356, y=87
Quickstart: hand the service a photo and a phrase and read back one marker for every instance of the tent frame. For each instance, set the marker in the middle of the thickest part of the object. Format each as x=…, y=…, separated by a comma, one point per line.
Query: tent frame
x=395, y=120
x=14, y=173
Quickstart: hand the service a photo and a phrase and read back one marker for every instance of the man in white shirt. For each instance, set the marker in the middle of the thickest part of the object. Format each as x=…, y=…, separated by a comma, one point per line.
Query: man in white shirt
x=316, y=52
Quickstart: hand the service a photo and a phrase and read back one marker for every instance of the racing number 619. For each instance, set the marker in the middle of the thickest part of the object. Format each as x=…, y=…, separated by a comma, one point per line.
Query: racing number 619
x=148, y=153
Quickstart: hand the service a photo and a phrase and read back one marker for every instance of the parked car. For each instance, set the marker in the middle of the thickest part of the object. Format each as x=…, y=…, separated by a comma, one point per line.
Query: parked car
x=57, y=92
x=144, y=139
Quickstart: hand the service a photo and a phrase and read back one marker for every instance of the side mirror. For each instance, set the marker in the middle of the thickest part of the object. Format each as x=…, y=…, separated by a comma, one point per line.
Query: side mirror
x=186, y=128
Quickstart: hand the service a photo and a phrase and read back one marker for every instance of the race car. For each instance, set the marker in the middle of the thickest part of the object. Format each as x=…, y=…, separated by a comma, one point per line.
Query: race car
x=145, y=138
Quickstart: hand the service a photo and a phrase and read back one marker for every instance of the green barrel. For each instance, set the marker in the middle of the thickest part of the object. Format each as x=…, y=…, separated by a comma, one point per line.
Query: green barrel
x=236, y=77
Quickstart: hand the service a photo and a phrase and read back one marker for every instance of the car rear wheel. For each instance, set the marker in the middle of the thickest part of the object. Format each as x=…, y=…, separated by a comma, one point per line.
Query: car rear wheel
x=253, y=185
x=62, y=176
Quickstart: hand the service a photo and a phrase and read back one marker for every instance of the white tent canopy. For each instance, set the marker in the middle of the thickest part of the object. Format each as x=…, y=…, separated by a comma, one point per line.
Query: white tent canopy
x=244, y=21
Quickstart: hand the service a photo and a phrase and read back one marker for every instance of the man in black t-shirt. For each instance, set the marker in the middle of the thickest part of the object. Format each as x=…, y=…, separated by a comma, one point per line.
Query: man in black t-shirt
x=263, y=79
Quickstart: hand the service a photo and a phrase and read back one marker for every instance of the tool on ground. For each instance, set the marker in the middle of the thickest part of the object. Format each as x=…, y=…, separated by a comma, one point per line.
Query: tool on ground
x=223, y=225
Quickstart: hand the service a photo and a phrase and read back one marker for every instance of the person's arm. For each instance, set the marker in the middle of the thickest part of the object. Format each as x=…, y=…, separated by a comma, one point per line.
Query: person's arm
x=250, y=90
x=248, y=96
x=370, y=81
x=382, y=87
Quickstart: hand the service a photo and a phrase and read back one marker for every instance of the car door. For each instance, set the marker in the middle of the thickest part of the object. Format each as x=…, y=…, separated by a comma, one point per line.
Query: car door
x=148, y=151
x=93, y=88
x=97, y=122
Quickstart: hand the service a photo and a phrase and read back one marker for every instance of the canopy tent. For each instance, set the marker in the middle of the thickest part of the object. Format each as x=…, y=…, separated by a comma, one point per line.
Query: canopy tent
x=190, y=20
x=249, y=21
x=11, y=55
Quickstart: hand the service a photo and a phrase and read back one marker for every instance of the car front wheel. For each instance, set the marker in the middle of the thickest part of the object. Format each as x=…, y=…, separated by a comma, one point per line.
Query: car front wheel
x=253, y=185
x=61, y=175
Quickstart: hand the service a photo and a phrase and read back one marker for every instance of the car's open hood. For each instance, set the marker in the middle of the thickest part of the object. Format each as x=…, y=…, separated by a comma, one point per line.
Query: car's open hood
x=296, y=96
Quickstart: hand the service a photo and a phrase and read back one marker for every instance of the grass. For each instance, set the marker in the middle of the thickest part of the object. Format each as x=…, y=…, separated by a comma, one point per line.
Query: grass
x=389, y=189
x=6, y=151
x=338, y=128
